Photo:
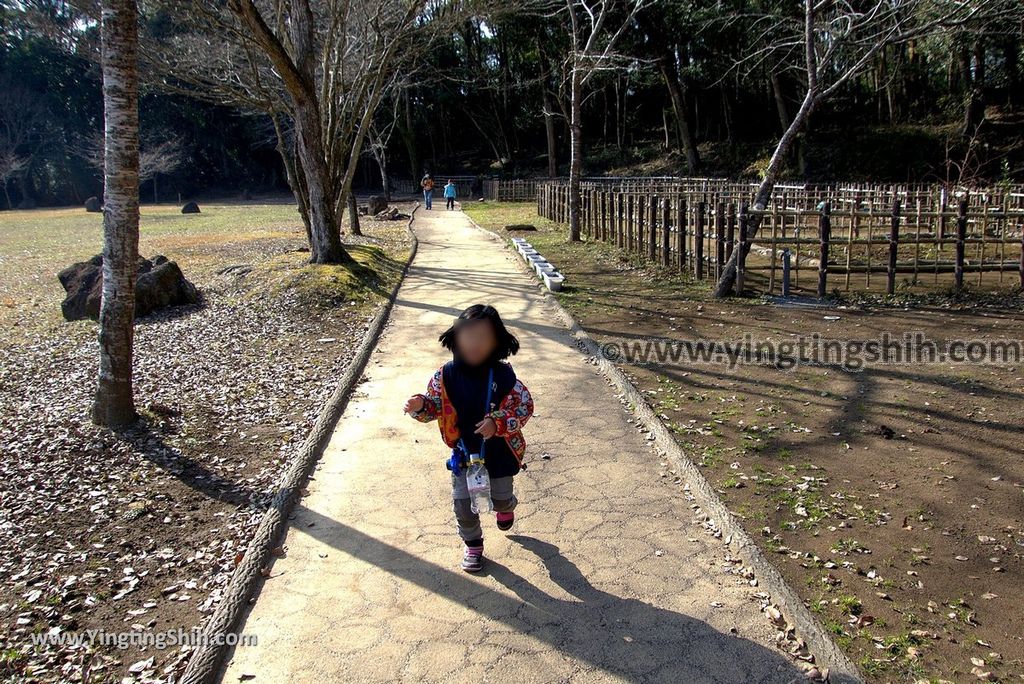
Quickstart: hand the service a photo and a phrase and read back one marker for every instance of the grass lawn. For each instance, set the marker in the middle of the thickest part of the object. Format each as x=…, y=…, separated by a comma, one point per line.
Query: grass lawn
x=35, y=245
x=891, y=498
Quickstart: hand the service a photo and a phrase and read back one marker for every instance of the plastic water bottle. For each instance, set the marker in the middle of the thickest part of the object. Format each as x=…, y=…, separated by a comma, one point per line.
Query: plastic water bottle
x=478, y=482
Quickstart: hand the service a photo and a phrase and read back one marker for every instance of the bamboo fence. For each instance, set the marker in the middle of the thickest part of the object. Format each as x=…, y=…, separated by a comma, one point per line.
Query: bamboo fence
x=853, y=236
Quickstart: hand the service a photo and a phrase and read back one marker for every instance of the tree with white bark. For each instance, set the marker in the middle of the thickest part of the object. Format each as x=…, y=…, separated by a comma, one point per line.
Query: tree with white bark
x=837, y=41
x=113, y=405
x=594, y=27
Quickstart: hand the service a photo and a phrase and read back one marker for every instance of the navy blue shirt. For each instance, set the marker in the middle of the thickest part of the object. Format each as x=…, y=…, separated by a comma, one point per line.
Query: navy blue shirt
x=466, y=387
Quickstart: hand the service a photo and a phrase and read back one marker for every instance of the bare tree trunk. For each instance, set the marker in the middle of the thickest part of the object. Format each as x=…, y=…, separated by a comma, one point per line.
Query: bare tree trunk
x=724, y=286
x=382, y=164
x=296, y=68
x=549, y=128
x=326, y=245
x=113, y=405
x=780, y=101
x=409, y=137
x=576, y=152
x=974, y=113
x=590, y=50
x=620, y=124
x=1011, y=60
x=353, y=215
x=293, y=175
x=681, y=108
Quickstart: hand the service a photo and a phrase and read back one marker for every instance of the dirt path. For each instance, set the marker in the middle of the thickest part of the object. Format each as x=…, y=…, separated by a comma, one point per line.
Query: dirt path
x=605, y=577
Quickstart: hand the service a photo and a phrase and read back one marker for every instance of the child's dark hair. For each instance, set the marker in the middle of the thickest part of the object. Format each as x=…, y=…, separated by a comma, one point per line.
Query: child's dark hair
x=508, y=345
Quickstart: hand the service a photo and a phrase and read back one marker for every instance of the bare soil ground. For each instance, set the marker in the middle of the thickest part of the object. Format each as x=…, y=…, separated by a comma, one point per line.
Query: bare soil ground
x=891, y=498
x=138, y=532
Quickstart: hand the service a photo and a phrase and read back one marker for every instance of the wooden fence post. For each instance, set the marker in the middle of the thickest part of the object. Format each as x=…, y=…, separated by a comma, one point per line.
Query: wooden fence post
x=961, y=236
x=1021, y=258
x=825, y=231
x=629, y=222
x=681, y=238
x=652, y=229
x=719, y=237
x=641, y=219
x=666, y=231
x=894, y=244
x=741, y=257
x=698, y=241
x=604, y=216
x=942, y=217
x=730, y=237
x=585, y=211
x=619, y=213
x=592, y=213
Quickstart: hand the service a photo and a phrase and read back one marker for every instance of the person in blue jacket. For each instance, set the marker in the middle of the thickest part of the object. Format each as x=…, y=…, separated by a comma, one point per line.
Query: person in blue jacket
x=450, y=194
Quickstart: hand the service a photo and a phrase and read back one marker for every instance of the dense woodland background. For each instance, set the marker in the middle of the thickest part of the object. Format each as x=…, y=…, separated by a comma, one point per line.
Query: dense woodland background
x=690, y=94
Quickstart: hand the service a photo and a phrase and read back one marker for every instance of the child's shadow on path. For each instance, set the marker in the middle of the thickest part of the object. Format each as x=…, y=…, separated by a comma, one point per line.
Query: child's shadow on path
x=627, y=636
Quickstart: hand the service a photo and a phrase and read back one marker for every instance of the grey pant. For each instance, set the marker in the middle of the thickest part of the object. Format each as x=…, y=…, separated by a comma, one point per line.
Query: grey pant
x=467, y=521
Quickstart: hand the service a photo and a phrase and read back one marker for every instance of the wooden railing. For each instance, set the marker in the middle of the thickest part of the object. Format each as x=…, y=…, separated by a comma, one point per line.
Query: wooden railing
x=500, y=190
x=851, y=236
x=465, y=183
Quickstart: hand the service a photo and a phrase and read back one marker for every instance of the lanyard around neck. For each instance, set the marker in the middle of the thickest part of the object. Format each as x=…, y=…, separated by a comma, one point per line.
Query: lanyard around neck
x=487, y=409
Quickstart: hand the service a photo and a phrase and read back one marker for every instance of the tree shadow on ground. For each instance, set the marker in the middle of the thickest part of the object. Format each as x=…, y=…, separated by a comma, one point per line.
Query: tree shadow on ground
x=149, y=440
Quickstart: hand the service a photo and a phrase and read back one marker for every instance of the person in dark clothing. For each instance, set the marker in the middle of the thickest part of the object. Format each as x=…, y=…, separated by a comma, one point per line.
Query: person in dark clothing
x=457, y=397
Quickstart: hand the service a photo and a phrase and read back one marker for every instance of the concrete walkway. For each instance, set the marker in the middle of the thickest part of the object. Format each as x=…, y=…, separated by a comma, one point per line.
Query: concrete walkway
x=604, y=578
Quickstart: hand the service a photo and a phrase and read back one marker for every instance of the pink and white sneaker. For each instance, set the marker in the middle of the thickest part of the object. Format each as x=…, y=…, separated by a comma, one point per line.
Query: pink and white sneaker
x=473, y=558
x=505, y=520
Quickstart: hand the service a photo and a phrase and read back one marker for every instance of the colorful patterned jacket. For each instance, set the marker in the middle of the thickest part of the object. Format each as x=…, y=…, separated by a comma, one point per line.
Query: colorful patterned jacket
x=510, y=415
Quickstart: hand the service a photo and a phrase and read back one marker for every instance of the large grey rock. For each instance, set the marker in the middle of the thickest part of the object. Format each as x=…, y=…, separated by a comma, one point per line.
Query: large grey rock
x=391, y=214
x=93, y=205
x=376, y=204
x=190, y=208
x=160, y=284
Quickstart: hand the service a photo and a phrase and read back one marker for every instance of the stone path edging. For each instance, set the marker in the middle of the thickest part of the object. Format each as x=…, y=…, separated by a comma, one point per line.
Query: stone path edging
x=207, y=660
x=827, y=653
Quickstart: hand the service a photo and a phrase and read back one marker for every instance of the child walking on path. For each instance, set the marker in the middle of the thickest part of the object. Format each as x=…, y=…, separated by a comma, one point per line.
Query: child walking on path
x=449, y=194
x=474, y=397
